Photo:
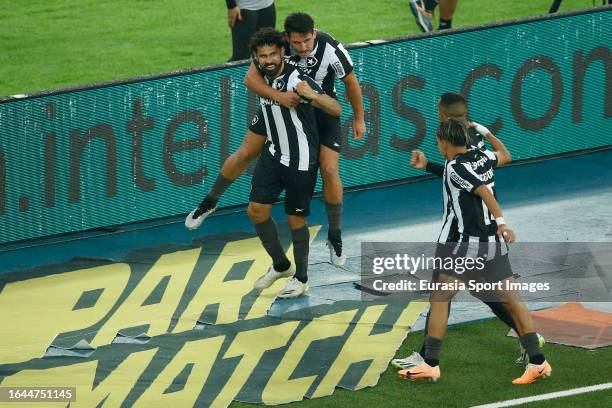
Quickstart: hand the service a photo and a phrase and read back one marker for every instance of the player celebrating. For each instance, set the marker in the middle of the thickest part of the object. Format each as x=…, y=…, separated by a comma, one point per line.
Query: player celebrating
x=454, y=105
x=322, y=58
x=469, y=196
x=288, y=161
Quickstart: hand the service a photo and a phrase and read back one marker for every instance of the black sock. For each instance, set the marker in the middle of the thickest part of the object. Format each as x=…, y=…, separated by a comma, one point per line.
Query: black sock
x=531, y=344
x=334, y=216
x=334, y=235
x=301, y=247
x=537, y=359
x=207, y=203
x=220, y=185
x=422, y=351
x=432, y=347
x=268, y=234
x=445, y=24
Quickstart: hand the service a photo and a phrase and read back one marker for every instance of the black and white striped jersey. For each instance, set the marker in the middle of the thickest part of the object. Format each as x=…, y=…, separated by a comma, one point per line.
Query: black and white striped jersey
x=292, y=135
x=327, y=59
x=466, y=218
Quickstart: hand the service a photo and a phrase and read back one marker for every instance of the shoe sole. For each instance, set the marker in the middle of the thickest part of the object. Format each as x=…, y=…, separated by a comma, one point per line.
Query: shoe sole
x=544, y=375
x=407, y=377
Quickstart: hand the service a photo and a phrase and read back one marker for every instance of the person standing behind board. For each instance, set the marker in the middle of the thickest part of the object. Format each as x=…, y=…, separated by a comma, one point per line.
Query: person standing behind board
x=245, y=18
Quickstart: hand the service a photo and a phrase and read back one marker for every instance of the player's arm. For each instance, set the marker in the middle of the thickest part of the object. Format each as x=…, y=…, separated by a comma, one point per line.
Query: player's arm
x=419, y=161
x=488, y=198
x=255, y=82
x=502, y=153
x=307, y=89
x=353, y=91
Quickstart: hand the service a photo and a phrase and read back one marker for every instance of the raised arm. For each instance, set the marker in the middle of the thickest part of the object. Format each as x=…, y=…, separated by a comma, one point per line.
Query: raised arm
x=353, y=91
x=255, y=82
x=502, y=153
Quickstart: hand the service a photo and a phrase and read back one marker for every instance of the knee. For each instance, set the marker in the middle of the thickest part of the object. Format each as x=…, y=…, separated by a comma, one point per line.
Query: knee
x=255, y=213
x=329, y=169
x=296, y=222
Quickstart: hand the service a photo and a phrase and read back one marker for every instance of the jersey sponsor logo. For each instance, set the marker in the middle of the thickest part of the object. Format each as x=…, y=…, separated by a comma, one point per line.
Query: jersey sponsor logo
x=479, y=163
x=255, y=120
x=299, y=210
x=268, y=102
x=459, y=181
x=338, y=68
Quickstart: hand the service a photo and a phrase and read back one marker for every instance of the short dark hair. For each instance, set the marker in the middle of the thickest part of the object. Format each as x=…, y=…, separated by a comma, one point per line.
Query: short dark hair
x=453, y=131
x=300, y=23
x=266, y=36
x=454, y=105
x=451, y=98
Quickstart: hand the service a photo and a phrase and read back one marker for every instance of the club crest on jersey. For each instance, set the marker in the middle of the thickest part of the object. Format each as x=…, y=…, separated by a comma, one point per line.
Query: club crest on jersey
x=311, y=61
x=279, y=84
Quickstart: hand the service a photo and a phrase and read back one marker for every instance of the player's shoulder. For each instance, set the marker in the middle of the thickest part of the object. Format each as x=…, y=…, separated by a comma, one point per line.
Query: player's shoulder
x=472, y=155
x=326, y=38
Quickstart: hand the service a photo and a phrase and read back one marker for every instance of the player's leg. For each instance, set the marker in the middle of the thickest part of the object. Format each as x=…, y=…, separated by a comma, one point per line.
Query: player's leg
x=447, y=10
x=436, y=329
x=232, y=168
x=537, y=367
x=266, y=17
x=299, y=188
x=416, y=358
x=329, y=156
x=242, y=32
x=499, y=270
x=266, y=186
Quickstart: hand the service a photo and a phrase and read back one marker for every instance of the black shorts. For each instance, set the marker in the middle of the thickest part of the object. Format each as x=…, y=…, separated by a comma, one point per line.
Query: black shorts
x=329, y=130
x=271, y=178
x=493, y=270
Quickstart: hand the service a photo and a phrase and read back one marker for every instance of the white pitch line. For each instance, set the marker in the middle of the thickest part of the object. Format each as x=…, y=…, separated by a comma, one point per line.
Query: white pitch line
x=558, y=394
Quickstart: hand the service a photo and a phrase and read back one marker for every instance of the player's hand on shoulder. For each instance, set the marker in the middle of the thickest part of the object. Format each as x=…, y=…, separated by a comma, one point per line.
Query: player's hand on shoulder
x=506, y=233
x=480, y=128
x=418, y=160
x=288, y=99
